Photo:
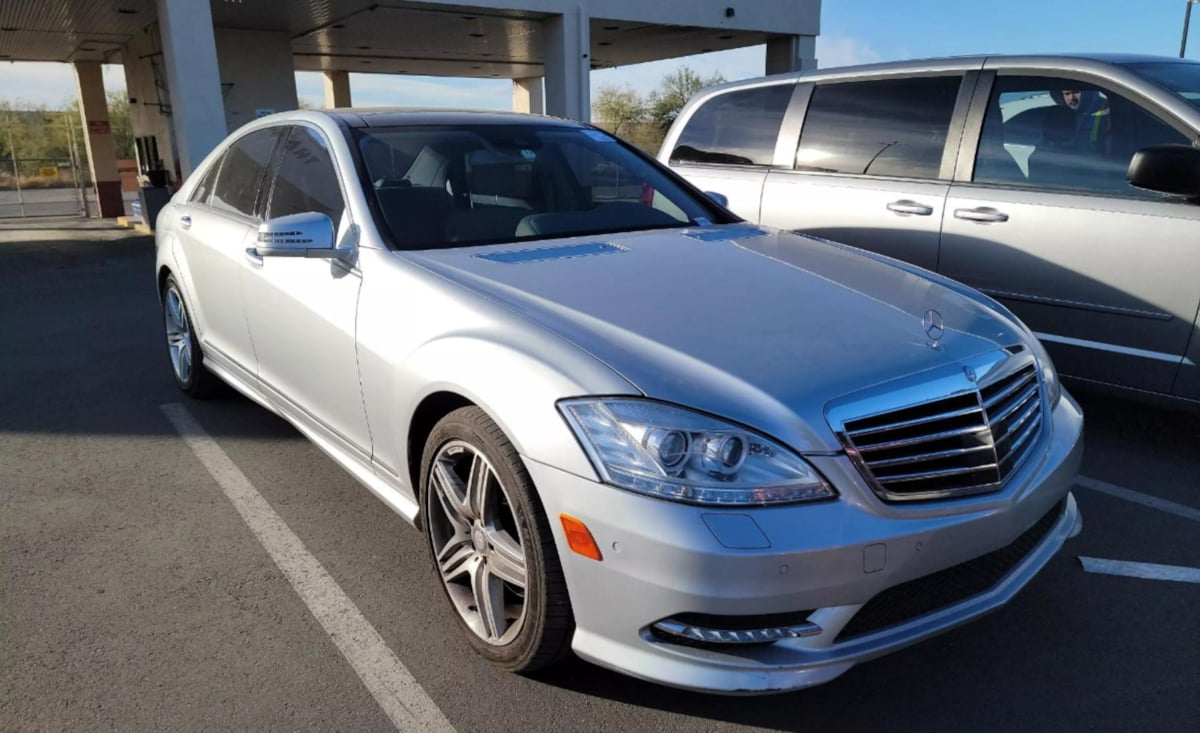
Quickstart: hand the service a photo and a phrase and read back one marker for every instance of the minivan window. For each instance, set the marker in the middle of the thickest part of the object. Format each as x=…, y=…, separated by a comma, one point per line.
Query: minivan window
x=1180, y=77
x=307, y=178
x=888, y=127
x=735, y=128
x=241, y=175
x=1057, y=133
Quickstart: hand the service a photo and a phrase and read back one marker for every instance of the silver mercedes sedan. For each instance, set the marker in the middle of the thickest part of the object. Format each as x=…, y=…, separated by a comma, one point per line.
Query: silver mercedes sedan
x=705, y=453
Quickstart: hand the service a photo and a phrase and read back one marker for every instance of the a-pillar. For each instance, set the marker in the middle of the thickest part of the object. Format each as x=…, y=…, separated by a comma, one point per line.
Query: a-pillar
x=193, y=79
x=527, y=95
x=791, y=53
x=337, y=89
x=101, y=148
x=568, y=65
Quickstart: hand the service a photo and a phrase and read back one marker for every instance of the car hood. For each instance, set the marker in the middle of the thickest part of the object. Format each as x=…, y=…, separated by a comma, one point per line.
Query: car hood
x=758, y=326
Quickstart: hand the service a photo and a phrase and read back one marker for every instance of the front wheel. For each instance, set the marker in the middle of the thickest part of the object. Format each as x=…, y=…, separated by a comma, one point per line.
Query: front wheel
x=491, y=545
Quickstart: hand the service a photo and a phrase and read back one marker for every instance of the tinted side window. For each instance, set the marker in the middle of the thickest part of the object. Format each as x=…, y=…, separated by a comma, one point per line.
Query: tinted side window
x=891, y=127
x=307, y=178
x=204, y=188
x=241, y=176
x=1053, y=133
x=736, y=128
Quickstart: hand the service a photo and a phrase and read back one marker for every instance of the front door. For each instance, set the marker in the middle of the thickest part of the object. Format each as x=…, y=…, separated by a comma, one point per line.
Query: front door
x=302, y=311
x=872, y=167
x=1044, y=220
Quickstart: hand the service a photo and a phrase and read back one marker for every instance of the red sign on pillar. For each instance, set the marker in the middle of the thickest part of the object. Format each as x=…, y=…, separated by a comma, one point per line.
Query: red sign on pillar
x=99, y=127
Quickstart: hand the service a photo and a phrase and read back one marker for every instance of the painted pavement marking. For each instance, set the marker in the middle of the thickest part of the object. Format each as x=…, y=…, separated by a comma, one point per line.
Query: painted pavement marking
x=387, y=679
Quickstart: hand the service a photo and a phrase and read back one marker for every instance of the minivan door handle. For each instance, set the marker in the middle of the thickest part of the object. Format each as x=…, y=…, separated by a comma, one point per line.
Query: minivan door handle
x=983, y=214
x=904, y=206
x=185, y=221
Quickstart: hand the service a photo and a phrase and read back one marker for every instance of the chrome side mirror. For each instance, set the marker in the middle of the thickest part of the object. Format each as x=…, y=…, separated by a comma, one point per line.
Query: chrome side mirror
x=719, y=198
x=308, y=234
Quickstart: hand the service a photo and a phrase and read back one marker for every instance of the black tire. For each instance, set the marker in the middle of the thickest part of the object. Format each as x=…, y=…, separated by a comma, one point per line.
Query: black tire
x=197, y=382
x=547, y=625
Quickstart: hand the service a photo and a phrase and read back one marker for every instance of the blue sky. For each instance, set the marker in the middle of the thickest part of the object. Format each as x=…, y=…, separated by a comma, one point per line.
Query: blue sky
x=853, y=31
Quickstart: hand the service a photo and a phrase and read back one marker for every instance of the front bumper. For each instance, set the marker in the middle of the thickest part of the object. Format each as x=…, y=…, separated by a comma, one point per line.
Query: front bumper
x=662, y=559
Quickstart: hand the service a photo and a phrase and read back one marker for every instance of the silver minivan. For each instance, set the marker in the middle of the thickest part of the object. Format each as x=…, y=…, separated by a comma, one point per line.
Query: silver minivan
x=1015, y=175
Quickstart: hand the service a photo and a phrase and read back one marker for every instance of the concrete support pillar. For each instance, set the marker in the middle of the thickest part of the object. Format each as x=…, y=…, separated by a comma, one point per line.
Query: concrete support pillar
x=190, y=56
x=258, y=77
x=337, y=89
x=791, y=53
x=101, y=148
x=527, y=95
x=568, y=65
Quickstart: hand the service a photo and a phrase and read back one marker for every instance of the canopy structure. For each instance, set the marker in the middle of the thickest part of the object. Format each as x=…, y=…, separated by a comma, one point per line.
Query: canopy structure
x=196, y=70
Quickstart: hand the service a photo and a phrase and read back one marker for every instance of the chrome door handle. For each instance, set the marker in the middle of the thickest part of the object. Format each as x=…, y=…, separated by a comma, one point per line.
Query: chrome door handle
x=254, y=257
x=904, y=206
x=185, y=221
x=983, y=214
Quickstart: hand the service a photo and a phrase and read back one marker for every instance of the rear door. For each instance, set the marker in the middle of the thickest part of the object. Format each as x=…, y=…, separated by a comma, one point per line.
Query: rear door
x=215, y=234
x=873, y=164
x=727, y=143
x=1042, y=218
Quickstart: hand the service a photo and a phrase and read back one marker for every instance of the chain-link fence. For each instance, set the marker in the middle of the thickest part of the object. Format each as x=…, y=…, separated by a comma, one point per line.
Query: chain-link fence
x=43, y=187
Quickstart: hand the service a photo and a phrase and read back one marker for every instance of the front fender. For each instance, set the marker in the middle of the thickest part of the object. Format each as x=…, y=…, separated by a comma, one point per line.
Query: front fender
x=517, y=387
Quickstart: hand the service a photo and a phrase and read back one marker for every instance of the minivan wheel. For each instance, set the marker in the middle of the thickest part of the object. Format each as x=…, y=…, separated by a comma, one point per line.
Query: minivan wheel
x=491, y=545
x=187, y=360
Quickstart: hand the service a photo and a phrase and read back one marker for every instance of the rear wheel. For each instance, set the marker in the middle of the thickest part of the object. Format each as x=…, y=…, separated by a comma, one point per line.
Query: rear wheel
x=491, y=545
x=187, y=360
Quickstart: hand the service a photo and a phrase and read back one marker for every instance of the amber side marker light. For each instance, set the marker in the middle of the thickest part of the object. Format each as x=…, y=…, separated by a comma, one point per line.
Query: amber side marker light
x=579, y=538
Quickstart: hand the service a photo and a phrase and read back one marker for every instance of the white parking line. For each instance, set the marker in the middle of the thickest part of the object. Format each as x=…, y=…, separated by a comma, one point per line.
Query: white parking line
x=1138, y=497
x=1148, y=570
x=393, y=687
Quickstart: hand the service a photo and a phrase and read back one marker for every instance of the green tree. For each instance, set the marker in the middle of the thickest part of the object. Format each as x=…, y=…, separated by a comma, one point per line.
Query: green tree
x=673, y=93
x=618, y=107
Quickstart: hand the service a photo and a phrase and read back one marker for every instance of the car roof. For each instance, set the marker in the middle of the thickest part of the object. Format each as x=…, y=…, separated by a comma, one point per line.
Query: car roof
x=404, y=116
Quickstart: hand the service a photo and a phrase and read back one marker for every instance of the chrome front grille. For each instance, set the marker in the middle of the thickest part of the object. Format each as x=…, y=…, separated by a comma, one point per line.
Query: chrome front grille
x=967, y=443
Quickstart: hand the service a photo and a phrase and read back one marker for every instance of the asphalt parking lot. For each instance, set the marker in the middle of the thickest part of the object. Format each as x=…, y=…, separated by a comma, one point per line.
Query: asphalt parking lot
x=133, y=595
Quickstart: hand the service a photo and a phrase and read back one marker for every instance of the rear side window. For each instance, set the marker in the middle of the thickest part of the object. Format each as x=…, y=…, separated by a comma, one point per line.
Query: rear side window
x=240, y=180
x=735, y=128
x=205, y=186
x=890, y=127
x=307, y=179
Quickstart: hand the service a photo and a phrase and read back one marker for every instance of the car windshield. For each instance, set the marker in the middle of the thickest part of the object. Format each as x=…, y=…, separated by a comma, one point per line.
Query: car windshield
x=441, y=186
x=1180, y=77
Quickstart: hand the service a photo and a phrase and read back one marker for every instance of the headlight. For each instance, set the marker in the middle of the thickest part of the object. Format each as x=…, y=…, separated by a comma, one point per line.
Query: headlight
x=677, y=454
x=1046, y=367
